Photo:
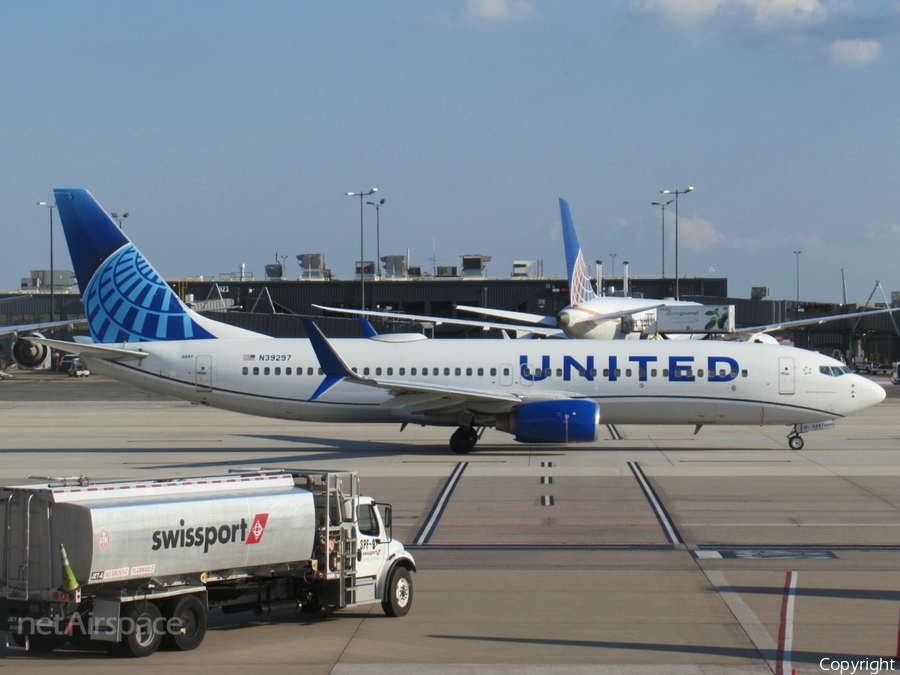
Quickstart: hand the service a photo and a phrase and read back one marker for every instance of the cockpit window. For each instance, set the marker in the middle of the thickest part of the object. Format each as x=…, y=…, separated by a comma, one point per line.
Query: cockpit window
x=837, y=371
x=846, y=370
x=826, y=370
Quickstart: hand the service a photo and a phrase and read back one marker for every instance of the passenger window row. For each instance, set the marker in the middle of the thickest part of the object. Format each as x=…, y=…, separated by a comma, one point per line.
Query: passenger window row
x=435, y=372
x=256, y=370
x=278, y=370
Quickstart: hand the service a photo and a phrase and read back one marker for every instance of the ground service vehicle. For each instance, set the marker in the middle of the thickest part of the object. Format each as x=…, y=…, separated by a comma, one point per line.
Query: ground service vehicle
x=136, y=564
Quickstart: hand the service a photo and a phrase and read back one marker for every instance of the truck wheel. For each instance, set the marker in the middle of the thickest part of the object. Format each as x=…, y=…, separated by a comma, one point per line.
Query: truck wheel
x=398, y=594
x=143, y=626
x=311, y=607
x=191, y=614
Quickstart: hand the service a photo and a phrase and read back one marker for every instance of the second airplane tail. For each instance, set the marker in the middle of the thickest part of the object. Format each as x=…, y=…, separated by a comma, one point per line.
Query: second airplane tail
x=580, y=288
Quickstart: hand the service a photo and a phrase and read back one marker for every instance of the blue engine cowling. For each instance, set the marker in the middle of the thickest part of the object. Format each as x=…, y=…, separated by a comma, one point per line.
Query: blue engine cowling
x=563, y=421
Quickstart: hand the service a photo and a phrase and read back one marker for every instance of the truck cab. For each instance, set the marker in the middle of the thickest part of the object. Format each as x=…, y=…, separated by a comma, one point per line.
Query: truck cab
x=376, y=553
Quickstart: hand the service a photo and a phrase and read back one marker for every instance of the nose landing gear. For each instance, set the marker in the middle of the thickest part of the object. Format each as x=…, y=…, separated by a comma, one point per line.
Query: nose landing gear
x=795, y=441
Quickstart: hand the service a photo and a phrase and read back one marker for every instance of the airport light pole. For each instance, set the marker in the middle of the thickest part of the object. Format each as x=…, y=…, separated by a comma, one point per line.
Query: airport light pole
x=362, y=256
x=676, y=193
x=377, y=206
x=119, y=218
x=797, y=253
x=663, y=205
x=613, y=256
x=51, y=207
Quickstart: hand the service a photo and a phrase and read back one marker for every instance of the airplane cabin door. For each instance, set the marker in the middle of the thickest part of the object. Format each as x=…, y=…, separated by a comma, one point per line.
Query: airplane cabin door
x=785, y=375
x=203, y=372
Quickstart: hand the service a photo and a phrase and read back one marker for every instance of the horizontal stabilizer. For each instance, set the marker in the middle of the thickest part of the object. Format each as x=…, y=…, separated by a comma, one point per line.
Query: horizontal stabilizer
x=104, y=352
x=23, y=330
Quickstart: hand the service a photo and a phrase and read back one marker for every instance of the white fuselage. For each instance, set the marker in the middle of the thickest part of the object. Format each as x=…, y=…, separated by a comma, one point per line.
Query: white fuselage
x=633, y=382
x=582, y=321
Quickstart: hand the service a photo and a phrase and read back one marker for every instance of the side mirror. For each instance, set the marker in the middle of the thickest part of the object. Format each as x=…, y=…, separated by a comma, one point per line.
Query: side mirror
x=386, y=515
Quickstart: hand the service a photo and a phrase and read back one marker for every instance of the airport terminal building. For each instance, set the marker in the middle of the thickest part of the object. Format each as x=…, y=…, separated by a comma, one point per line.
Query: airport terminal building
x=271, y=305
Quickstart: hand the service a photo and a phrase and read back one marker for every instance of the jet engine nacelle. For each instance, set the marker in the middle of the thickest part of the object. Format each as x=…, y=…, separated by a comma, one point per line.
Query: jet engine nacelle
x=29, y=354
x=557, y=421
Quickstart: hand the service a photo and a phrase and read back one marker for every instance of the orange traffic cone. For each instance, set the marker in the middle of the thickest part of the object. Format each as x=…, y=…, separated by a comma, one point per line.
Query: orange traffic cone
x=70, y=583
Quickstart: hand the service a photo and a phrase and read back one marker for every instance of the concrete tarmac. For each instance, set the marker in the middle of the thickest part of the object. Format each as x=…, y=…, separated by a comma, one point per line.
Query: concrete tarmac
x=546, y=559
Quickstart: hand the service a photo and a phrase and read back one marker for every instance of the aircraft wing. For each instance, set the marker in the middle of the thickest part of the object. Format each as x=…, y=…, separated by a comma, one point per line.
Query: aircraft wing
x=547, y=332
x=421, y=397
x=551, y=321
x=25, y=329
x=104, y=352
x=15, y=298
x=523, y=317
x=748, y=333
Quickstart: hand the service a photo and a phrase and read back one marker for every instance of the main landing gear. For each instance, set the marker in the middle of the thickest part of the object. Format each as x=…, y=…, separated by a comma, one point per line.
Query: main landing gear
x=795, y=441
x=463, y=440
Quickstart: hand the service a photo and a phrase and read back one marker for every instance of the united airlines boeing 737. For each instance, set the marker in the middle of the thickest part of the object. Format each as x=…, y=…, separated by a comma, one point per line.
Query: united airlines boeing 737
x=538, y=391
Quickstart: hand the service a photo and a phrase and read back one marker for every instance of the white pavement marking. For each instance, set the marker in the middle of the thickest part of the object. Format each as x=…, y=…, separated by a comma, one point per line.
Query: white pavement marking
x=745, y=616
x=542, y=669
x=440, y=505
x=662, y=516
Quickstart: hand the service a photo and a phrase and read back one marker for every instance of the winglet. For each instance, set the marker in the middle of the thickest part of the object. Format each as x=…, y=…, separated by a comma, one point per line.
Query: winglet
x=332, y=364
x=368, y=330
x=580, y=289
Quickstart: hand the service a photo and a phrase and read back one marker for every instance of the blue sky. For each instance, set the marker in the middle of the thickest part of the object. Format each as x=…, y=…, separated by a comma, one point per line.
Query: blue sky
x=231, y=131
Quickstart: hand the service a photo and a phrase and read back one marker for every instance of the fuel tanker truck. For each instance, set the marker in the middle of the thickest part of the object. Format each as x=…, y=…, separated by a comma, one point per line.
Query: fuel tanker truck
x=134, y=565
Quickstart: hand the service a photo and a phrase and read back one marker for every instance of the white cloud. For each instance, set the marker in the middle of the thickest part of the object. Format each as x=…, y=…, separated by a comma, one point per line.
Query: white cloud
x=883, y=232
x=776, y=13
x=686, y=12
x=698, y=234
x=838, y=28
x=764, y=13
x=855, y=52
x=498, y=11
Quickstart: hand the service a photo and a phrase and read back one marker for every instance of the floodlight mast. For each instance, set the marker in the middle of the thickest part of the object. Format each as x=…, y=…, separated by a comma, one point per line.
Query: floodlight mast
x=51, y=206
x=676, y=193
x=663, y=205
x=362, y=257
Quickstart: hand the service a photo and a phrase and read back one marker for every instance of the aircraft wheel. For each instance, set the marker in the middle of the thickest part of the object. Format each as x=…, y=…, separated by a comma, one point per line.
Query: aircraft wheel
x=463, y=440
x=796, y=442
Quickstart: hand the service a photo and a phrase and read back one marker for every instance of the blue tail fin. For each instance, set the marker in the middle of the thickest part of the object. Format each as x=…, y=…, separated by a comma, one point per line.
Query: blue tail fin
x=580, y=289
x=124, y=298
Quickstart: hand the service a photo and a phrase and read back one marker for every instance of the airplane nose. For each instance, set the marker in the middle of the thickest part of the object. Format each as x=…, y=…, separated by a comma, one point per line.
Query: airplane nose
x=869, y=393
